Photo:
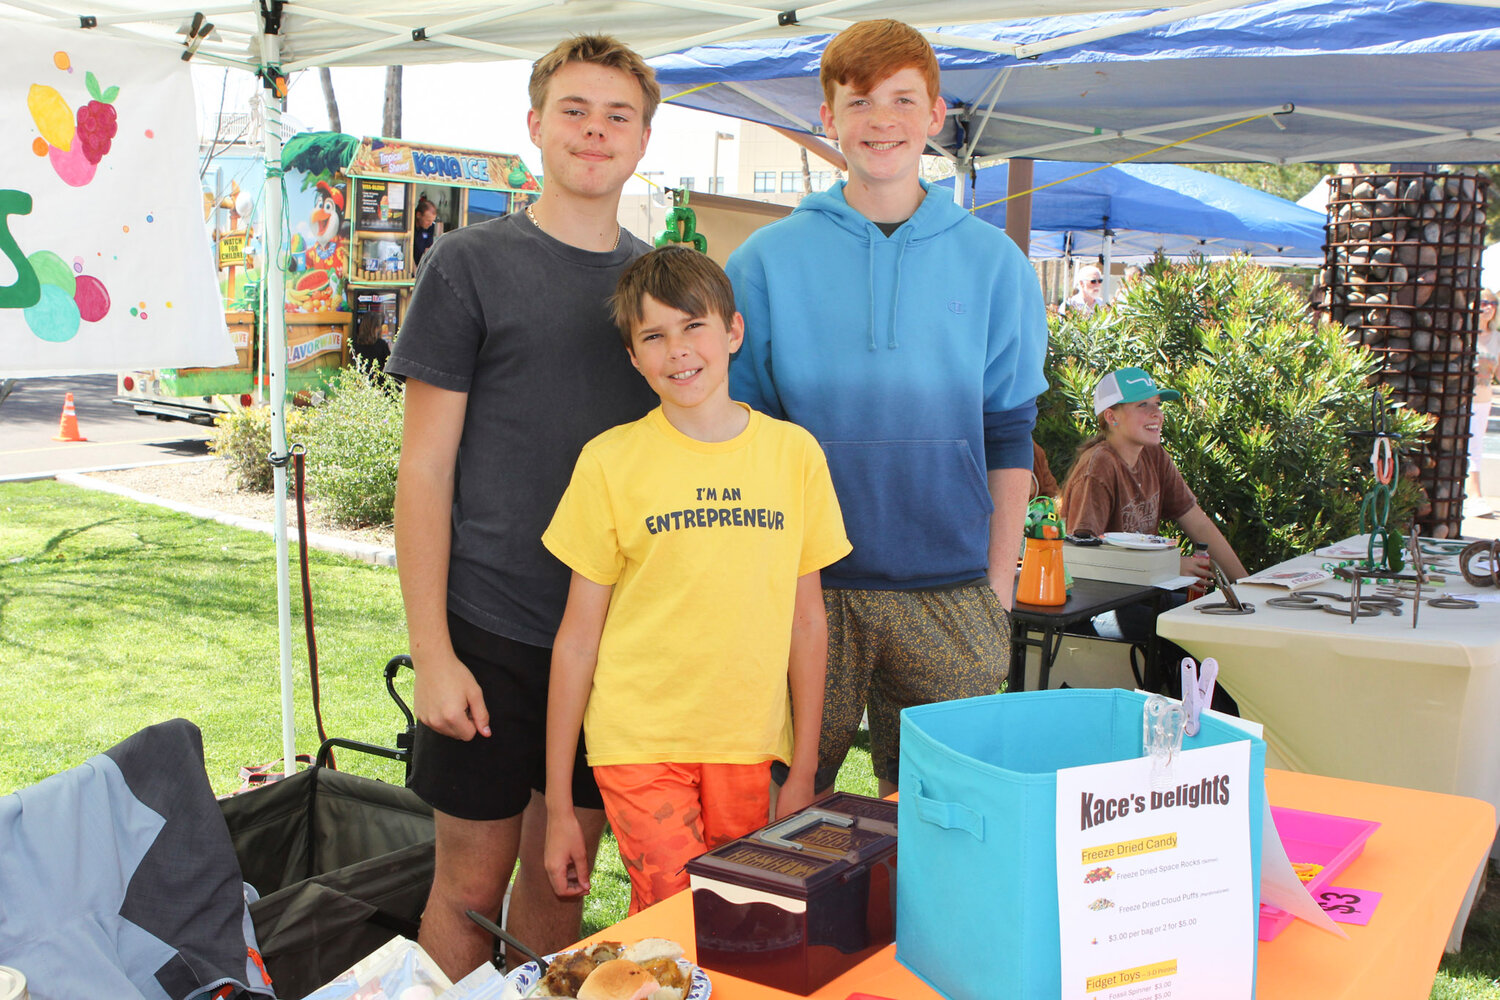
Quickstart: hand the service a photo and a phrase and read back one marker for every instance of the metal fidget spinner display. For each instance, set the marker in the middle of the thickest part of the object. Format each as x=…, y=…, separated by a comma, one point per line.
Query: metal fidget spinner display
x=1466, y=560
x=1231, y=605
x=1309, y=601
x=1398, y=586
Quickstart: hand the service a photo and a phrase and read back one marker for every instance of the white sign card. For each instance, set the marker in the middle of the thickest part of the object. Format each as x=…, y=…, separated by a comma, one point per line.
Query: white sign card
x=1154, y=883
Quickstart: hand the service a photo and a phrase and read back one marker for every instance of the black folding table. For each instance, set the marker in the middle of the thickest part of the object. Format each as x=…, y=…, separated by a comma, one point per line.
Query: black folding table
x=1043, y=626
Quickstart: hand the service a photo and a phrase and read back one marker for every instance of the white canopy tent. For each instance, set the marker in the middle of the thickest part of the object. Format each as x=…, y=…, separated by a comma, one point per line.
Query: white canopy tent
x=381, y=32
x=273, y=38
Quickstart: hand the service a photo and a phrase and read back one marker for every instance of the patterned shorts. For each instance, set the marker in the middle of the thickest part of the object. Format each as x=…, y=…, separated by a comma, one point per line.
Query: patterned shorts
x=894, y=648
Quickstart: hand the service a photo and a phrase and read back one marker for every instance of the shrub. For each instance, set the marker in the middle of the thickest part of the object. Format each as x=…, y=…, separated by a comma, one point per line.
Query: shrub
x=242, y=438
x=353, y=443
x=1269, y=399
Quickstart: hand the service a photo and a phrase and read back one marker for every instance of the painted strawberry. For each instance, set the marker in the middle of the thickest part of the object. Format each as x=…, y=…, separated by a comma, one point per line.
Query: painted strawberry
x=97, y=123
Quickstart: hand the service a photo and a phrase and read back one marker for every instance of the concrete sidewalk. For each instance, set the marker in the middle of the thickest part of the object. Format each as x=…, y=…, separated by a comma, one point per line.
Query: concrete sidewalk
x=1489, y=480
x=1473, y=527
x=348, y=547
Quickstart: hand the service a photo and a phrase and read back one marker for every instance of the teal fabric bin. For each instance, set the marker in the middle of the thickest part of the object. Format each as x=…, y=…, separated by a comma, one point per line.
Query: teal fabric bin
x=976, y=900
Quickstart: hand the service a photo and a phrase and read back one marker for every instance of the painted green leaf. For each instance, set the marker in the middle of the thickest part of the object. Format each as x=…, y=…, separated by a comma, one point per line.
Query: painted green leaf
x=92, y=82
x=110, y=95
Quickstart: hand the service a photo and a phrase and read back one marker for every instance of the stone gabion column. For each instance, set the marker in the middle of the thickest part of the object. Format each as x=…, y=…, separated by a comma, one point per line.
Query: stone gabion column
x=1402, y=273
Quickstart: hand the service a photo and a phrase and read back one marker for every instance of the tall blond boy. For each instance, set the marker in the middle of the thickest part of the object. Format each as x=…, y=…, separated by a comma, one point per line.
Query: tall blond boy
x=908, y=337
x=511, y=364
x=695, y=536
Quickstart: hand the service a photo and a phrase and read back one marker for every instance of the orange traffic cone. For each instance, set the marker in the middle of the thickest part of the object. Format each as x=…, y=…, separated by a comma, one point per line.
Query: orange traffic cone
x=67, y=428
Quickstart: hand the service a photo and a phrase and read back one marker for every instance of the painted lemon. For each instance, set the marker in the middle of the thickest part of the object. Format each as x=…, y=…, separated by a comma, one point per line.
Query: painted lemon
x=53, y=117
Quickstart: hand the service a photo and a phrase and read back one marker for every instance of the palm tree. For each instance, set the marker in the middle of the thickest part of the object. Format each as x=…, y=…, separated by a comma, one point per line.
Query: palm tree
x=391, y=119
x=326, y=77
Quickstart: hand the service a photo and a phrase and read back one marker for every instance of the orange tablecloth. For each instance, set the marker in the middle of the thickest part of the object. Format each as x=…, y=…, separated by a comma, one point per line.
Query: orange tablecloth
x=1422, y=858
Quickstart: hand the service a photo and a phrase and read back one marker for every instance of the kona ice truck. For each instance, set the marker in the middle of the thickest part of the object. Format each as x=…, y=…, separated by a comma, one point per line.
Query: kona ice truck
x=350, y=222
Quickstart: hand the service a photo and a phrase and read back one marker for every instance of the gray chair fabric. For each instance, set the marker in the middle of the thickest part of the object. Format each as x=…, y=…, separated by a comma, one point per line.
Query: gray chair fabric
x=118, y=878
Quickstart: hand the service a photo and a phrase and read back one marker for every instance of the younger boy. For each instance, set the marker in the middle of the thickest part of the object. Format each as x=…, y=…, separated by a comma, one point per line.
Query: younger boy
x=908, y=337
x=695, y=536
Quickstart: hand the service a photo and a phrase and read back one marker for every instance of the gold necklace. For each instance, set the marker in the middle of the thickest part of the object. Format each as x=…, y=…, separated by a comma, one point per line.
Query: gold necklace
x=612, y=247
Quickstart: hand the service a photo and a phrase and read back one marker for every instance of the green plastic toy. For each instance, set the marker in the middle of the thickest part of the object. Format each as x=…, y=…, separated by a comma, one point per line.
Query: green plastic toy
x=682, y=224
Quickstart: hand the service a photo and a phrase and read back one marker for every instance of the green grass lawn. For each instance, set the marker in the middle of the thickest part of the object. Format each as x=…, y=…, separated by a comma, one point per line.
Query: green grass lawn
x=115, y=615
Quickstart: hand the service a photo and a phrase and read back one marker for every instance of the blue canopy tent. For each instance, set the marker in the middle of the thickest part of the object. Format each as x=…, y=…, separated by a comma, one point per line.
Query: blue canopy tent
x=1318, y=82
x=1133, y=210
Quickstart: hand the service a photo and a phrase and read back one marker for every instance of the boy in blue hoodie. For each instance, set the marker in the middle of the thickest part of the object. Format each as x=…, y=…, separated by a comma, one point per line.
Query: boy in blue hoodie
x=908, y=337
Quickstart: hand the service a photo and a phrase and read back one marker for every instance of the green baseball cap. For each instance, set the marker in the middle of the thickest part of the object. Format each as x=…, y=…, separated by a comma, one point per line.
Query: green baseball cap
x=1128, y=385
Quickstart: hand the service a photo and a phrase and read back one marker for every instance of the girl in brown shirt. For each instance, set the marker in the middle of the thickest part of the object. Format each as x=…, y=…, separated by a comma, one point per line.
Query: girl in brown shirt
x=1123, y=480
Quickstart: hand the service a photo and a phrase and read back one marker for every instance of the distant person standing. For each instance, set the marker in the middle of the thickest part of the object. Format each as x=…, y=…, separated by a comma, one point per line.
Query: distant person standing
x=368, y=344
x=426, y=231
x=1088, y=285
x=1133, y=276
x=1486, y=358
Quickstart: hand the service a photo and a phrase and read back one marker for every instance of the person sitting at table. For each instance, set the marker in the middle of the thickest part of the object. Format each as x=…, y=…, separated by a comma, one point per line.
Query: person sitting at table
x=1123, y=480
x=1041, y=474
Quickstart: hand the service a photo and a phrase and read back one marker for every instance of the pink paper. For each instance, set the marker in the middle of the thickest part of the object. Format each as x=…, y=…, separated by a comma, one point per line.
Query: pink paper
x=1348, y=906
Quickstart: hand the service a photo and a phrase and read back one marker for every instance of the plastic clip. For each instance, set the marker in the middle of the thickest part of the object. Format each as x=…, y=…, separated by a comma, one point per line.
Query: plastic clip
x=1161, y=738
x=1197, y=690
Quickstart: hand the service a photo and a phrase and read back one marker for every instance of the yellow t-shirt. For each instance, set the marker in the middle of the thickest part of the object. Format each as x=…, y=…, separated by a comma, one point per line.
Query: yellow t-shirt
x=703, y=543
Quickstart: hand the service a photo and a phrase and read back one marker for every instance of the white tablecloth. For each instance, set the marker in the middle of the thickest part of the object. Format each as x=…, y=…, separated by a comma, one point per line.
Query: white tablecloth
x=1372, y=700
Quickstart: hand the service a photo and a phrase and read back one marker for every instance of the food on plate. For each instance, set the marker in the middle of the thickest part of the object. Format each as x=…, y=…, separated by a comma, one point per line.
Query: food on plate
x=671, y=980
x=620, y=979
x=658, y=956
x=568, y=971
x=645, y=970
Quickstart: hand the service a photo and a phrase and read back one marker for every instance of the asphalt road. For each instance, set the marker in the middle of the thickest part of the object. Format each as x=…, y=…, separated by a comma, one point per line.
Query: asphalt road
x=29, y=419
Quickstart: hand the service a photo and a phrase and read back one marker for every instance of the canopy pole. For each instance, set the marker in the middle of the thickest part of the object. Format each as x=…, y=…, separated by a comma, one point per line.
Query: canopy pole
x=960, y=178
x=1107, y=292
x=1018, y=179
x=274, y=323
x=1071, y=265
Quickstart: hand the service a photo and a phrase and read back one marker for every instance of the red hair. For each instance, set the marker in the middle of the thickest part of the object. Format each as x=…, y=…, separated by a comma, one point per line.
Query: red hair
x=866, y=53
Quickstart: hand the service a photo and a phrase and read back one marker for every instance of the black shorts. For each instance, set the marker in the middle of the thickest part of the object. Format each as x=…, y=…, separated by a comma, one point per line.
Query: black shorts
x=492, y=777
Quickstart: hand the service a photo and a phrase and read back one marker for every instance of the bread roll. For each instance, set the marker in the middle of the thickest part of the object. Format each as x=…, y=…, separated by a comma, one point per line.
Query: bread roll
x=620, y=979
x=649, y=948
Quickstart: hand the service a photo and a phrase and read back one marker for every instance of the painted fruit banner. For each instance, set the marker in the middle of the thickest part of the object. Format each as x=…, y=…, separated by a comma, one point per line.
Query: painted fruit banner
x=105, y=264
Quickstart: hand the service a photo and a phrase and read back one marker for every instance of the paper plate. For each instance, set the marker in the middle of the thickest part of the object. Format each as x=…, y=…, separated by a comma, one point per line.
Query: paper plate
x=1136, y=540
x=1356, y=547
x=523, y=980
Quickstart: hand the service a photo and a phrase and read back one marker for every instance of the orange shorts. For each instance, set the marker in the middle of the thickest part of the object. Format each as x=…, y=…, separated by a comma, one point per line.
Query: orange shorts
x=664, y=815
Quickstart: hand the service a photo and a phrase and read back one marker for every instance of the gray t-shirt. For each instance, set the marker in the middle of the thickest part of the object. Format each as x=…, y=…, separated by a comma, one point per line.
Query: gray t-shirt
x=520, y=322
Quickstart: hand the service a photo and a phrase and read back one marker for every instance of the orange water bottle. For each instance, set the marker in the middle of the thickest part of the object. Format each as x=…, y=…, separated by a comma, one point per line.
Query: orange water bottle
x=1042, y=580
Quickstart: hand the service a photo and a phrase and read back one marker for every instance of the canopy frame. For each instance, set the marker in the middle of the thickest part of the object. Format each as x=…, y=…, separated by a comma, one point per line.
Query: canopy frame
x=393, y=40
